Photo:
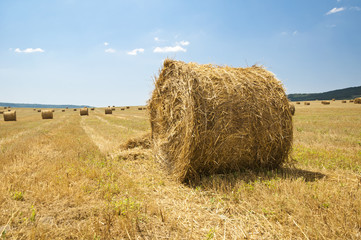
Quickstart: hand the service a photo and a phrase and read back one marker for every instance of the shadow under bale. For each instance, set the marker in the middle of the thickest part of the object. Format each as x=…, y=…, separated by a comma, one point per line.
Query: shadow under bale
x=209, y=119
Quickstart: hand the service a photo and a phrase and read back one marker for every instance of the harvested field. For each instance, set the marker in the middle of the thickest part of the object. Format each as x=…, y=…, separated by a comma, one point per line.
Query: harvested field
x=85, y=178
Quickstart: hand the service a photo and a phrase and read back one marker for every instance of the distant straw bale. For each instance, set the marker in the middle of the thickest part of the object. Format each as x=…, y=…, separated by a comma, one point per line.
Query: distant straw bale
x=292, y=109
x=333, y=99
x=84, y=112
x=9, y=116
x=1, y=111
x=63, y=110
x=128, y=107
x=39, y=110
x=113, y=108
x=357, y=100
x=5, y=107
x=344, y=101
x=92, y=109
x=209, y=119
x=307, y=103
x=326, y=102
x=108, y=110
x=351, y=101
x=53, y=110
x=122, y=109
x=47, y=114
x=75, y=110
x=298, y=103
x=140, y=108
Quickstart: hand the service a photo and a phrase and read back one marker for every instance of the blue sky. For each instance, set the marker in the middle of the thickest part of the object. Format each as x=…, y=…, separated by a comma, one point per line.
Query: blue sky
x=107, y=52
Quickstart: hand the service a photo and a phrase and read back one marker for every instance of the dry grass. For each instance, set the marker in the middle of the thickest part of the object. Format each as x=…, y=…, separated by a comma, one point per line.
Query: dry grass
x=69, y=179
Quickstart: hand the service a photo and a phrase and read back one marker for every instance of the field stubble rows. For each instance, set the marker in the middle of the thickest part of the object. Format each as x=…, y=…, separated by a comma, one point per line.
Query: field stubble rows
x=70, y=178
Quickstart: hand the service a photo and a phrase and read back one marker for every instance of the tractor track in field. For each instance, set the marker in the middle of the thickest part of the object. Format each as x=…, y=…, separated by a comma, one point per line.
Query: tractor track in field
x=116, y=125
x=24, y=132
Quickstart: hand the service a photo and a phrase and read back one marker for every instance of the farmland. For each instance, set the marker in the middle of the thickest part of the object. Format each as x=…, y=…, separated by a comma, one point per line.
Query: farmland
x=70, y=178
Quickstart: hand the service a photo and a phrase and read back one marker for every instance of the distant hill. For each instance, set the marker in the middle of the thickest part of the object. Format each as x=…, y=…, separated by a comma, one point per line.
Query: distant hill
x=340, y=94
x=31, y=105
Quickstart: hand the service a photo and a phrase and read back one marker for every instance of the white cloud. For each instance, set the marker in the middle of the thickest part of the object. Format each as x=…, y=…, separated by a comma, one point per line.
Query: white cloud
x=183, y=43
x=335, y=10
x=355, y=8
x=294, y=33
x=29, y=50
x=134, y=52
x=110, y=50
x=157, y=39
x=169, y=49
x=106, y=43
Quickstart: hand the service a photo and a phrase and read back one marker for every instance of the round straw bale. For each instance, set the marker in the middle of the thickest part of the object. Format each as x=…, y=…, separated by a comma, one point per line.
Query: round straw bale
x=113, y=108
x=307, y=103
x=344, y=101
x=34, y=109
x=84, y=112
x=351, y=101
x=108, y=110
x=92, y=109
x=53, y=110
x=128, y=107
x=208, y=119
x=298, y=103
x=122, y=109
x=10, y=116
x=292, y=109
x=357, y=100
x=74, y=110
x=5, y=107
x=140, y=108
x=39, y=110
x=1, y=111
x=333, y=99
x=47, y=114
x=9, y=110
x=326, y=102
x=63, y=110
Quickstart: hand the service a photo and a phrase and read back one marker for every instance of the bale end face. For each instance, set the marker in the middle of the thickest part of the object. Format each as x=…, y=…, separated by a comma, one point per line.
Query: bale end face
x=207, y=119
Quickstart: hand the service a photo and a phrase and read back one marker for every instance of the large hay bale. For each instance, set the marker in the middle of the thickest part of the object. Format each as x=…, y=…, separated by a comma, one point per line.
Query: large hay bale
x=84, y=112
x=47, y=114
x=326, y=102
x=292, y=109
x=357, y=100
x=208, y=119
x=108, y=110
x=9, y=116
